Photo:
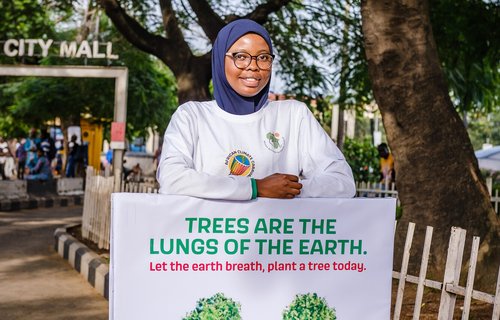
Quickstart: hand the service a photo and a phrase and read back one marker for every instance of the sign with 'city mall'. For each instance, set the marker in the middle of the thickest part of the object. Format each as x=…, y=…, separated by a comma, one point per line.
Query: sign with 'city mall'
x=65, y=49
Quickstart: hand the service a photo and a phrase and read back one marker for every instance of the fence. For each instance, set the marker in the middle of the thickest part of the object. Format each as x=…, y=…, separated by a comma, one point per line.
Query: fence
x=97, y=204
x=97, y=208
x=376, y=190
x=495, y=200
x=139, y=187
x=450, y=287
x=379, y=190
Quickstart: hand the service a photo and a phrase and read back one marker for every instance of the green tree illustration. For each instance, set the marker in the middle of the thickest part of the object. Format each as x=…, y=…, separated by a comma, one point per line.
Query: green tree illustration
x=309, y=307
x=215, y=308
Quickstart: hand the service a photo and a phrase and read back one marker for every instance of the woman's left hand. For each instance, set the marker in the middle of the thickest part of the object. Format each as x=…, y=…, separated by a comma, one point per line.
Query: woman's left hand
x=279, y=185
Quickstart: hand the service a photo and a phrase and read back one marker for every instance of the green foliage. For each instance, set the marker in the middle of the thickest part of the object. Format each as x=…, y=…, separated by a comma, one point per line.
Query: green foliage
x=307, y=307
x=10, y=127
x=399, y=212
x=151, y=91
x=364, y=126
x=320, y=48
x=305, y=36
x=352, y=76
x=363, y=158
x=484, y=128
x=28, y=19
x=321, y=107
x=467, y=34
x=24, y=18
x=215, y=308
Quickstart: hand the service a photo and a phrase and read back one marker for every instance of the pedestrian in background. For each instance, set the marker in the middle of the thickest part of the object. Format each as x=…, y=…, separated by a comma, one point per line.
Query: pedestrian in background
x=48, y=145
x=4, y=154
x=73, y=152
x=387, y=172
x=31, y=148
x=21, y=158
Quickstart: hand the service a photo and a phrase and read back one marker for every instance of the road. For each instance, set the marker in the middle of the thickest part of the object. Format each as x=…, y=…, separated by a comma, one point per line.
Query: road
x=35, y=282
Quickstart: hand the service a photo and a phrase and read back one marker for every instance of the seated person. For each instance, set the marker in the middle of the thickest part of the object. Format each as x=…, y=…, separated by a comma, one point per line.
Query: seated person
x=42, y=170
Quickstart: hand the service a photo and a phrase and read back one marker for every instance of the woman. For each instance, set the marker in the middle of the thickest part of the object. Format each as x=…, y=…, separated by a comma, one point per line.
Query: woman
x=242, y=146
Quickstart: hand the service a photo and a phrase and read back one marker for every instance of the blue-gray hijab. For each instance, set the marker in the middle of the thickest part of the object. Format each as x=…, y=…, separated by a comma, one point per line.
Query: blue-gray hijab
x=228, y=99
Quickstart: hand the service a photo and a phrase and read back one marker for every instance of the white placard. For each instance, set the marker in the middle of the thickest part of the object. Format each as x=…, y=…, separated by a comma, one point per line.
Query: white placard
x=169, y=252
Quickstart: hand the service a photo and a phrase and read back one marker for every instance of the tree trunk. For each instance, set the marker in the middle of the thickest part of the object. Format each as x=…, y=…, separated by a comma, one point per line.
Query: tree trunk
x=343, y=82
x=438, y=179
x=193, y=79
x=341, y=127
x=88, y=17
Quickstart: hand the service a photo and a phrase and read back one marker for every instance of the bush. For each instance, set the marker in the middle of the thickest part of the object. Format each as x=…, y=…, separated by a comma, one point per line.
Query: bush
x=309, y=307
x=363, y=158
x=215, y=308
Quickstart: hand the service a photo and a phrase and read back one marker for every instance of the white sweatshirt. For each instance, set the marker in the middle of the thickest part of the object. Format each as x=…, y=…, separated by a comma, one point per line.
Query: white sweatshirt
x=210, y=153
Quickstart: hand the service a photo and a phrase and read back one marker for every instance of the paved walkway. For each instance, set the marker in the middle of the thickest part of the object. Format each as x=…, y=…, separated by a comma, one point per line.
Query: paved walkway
x=35, y=282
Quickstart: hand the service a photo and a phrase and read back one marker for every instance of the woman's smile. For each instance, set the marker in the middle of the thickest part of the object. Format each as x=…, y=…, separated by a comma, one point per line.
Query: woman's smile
x=250, y=81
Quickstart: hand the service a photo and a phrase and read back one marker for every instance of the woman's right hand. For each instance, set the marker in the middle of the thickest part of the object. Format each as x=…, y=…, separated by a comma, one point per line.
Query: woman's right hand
x=279, y=185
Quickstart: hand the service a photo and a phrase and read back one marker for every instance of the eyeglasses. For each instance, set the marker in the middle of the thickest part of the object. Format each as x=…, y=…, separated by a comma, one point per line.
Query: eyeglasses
x=242, y=60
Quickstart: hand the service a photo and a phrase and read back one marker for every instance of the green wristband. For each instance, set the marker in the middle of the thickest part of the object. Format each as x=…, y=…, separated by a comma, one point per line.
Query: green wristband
x=254, y=188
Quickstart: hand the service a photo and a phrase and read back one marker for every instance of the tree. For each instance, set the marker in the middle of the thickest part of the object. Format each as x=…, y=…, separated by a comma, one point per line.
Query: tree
x=192, y=72
x=309, y=306
x=466, y=33
x=26, y=19
x=21, y=19
x=307, y=31
x=438, y=179
x=151, y=96
x=215, y=307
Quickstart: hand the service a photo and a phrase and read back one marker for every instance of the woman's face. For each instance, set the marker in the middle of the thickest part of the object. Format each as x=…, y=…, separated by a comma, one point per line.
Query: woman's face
x=251, y=80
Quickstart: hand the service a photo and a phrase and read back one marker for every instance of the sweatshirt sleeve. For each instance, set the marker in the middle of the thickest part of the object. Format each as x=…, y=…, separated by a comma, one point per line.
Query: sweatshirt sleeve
x=324, y=170
x=176, y=171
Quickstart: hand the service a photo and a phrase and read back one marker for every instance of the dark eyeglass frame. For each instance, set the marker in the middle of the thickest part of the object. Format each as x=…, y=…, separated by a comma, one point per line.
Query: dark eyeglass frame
x=232, y=55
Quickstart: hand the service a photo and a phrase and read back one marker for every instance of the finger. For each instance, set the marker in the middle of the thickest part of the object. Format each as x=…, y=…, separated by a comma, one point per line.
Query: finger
x=291, y=177
x=295, y=185
x=294, y=191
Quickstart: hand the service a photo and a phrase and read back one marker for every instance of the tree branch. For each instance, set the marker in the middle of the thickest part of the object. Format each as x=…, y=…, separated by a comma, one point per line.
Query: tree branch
x=210, y=22
x=171, y=50
x=261, y=13
x=172, y=29
x=132, y=30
